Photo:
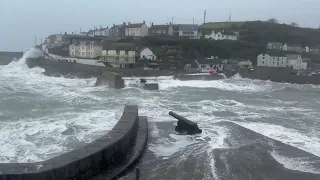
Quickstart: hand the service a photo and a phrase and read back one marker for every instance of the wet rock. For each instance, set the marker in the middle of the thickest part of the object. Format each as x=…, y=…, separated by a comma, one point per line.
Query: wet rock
x=184, y=125
x=69, y=131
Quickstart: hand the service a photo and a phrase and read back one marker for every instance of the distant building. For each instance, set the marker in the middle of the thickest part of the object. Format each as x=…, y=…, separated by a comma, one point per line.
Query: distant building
x=275, y=59
x=312, y=49
x=99, y=32
x=120, y=55
x=161, y=30
x=221, y=36
x=117, y=30
x=190, y=31
x=275, y=46
x=137, y=30
x=292, y=47
x=209, y=64
x=146, y=53
x=247, y=63
x=85, y=49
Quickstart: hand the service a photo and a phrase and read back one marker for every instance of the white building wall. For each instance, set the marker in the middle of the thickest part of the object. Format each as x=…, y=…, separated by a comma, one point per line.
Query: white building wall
x=147, y=54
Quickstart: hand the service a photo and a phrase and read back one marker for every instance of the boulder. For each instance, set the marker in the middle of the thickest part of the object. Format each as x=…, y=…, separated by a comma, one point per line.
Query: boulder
x=110, y=79
x=184, y=125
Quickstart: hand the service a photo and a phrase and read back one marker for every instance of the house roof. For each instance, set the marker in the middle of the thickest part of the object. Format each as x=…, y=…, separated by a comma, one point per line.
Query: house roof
x=292, y=56
x=276, y=43
x=82, y=37
x=136, y=25
x=294, y=45
x=188, y=27
x=164, y=26
x=175, y=27
x=117, y=26
x=229, y=33
x=120, y=46
x=209, y=61
x=275, y=53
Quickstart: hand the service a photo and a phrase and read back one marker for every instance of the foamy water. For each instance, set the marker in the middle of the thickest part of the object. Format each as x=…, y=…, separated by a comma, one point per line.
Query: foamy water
x=45, y=116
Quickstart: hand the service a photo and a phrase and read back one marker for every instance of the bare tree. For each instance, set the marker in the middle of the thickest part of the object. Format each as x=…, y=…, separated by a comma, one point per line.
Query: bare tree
x=273, y=20
x=293, y=24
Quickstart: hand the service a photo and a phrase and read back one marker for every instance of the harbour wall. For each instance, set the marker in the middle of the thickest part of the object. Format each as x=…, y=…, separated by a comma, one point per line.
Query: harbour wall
x=71, y=69
x=281, y=75
x=110, y=152
x=110, y=79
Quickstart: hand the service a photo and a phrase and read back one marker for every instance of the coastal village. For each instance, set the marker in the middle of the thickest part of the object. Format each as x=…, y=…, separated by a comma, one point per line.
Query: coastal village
x=113, y=47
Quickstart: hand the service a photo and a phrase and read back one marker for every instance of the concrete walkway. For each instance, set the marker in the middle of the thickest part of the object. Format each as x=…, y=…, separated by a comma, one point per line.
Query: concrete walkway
x=81, y=61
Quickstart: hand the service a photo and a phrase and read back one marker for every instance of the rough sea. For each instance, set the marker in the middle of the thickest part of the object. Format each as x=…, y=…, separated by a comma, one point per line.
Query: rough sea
x=42, y=117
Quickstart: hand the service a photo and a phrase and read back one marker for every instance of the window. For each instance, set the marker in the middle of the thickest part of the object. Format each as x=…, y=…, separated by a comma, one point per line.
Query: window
x=82, y=47
x=82, y=53
x=164, y=31
x=262, y=62
x=203, y=66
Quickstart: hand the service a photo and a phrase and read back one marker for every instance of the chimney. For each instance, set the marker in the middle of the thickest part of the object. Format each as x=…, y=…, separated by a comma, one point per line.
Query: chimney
x=107, y=27
x=124, y=23
x=170, y=23
x=152, y=24
x=129, y=23
x=100, y=27
x=114, y=24
x=144, y=22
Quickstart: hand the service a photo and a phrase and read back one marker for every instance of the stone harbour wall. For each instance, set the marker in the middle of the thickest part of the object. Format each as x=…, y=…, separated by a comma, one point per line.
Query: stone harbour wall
x=102, y=154
x=281, y=75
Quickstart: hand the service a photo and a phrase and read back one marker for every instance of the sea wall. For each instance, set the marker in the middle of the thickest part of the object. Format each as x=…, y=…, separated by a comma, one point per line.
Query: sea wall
x=282, y=75
x=111, y=80
x=103, y=154
x=62, y=67
x=186, y=77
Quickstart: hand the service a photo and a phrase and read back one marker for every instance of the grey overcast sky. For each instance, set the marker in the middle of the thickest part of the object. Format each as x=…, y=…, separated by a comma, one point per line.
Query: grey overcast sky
x=22, y=20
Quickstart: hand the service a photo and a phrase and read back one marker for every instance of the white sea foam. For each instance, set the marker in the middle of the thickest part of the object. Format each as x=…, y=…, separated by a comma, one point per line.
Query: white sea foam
x=292, y=137
x=34, y=138
x=298, y=164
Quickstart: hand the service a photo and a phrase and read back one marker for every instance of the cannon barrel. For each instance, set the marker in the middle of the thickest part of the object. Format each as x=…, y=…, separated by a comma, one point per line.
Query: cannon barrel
x=185, y=125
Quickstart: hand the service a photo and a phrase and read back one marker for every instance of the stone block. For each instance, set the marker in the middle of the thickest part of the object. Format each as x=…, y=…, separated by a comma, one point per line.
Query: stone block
x=39, y=170
x=110, y=79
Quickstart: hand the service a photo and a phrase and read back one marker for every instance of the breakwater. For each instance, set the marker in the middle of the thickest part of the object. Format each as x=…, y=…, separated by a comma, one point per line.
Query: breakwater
x=281, y=75
x=109, y=155
x=71, y=69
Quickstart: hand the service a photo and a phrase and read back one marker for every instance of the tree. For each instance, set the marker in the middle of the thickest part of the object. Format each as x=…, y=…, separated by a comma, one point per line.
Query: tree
x=273, y=21
x=293, y=24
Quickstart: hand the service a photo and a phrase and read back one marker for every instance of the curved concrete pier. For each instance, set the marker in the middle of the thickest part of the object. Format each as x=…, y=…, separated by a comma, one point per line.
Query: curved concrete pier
x=109, y=155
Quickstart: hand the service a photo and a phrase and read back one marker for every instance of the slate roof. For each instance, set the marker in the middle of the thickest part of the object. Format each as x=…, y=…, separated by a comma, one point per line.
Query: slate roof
x=188, y=27
x=155, y=27
x=120, y=46
x=292, y=56
x=295, y=45
x=136, y=25
x=275, y=53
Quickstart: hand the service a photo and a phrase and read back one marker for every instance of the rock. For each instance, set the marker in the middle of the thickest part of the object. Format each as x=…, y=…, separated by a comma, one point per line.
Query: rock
x=184, y=125
x=110, y=79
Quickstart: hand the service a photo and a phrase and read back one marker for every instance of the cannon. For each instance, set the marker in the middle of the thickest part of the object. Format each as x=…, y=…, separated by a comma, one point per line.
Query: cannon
x=184, y=125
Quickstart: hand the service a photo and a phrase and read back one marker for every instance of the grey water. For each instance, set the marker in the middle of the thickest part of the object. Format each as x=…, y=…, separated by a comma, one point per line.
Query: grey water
x=41, y=117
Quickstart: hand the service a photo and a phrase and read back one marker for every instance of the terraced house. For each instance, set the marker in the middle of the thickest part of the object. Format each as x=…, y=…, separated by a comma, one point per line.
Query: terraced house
x=120, y=55
x=137, y=30
x=85, y=49
x=190, y=31
x=161, y=30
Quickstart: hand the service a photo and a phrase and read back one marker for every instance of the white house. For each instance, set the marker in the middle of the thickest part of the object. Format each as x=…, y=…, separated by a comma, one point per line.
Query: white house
x=247, y=63
x=275, y=45
x=209, y=64
x=312, y=49
x=146, y=53
x=85, y=49
x=221, y=36
x=295, y=61
x=119, y=58
x=99, y=32
x=190, y=31
x=292, y=47
x=137, y=30
x=281, y=60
